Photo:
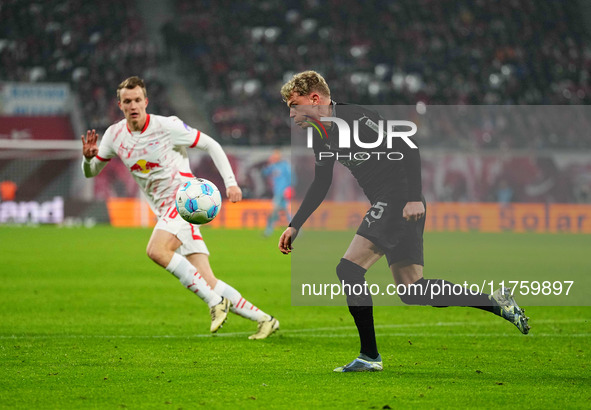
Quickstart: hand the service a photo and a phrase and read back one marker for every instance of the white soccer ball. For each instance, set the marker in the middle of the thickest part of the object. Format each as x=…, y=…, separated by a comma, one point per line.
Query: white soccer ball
x=198, y=201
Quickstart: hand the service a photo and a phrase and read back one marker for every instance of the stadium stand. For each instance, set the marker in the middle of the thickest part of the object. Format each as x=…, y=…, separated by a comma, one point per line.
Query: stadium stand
x=381, y=52
x=91, y=45
x=438, y=52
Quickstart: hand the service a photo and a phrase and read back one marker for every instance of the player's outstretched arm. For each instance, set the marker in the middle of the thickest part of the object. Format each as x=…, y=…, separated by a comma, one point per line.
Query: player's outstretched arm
x=414, y=208
x=220, y=159
x=91, y=166
x=313, y=198
x=89, y=146
x=315, y=194
x=286, y=239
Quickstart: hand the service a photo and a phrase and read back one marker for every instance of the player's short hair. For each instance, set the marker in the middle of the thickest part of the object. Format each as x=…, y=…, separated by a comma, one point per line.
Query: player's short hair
x=304, y=83
x=130, y=83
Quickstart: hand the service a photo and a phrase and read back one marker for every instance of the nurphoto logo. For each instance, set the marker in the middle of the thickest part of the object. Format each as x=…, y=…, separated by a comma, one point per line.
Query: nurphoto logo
x=387, y=130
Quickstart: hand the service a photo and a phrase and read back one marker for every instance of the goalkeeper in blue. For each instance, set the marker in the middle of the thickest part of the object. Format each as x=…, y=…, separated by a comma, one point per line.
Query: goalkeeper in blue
x=279, y=172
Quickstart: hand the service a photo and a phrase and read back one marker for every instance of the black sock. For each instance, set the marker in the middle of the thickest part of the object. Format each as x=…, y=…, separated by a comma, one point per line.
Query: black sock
x=352, y=277
x=441, y=293
x=363, y=316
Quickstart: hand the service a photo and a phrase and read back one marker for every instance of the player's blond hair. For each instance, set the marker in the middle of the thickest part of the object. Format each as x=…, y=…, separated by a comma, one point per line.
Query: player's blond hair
x=130, y=83
x=304, y=83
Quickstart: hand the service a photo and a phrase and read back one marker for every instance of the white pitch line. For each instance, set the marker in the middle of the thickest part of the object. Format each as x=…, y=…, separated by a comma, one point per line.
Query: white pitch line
x=314, y=332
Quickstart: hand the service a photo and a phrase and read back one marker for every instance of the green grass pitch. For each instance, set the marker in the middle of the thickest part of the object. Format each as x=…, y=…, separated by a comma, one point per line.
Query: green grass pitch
x=88, y=321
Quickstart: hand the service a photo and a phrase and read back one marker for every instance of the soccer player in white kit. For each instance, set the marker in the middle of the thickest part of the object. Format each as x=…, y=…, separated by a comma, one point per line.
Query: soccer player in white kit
x=153, y=148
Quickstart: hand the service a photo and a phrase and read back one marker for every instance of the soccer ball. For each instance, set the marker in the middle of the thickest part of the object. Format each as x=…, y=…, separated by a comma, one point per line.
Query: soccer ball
x=198, y=201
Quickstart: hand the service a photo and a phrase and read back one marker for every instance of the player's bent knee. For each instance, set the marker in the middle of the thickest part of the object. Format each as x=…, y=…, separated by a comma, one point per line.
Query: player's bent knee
x=349, y=272
x=159, y=256
x=352, y=279
x=150, y=251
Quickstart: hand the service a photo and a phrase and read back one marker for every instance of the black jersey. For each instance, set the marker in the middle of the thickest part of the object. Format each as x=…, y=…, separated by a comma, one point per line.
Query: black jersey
x=379, y=176
x=379, y=171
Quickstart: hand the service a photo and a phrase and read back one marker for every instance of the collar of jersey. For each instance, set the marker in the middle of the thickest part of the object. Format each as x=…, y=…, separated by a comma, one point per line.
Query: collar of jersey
x=145, y=125
x=333, y=105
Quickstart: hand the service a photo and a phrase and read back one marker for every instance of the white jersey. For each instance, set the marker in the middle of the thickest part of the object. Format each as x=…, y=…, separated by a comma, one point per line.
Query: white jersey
x=156, y=156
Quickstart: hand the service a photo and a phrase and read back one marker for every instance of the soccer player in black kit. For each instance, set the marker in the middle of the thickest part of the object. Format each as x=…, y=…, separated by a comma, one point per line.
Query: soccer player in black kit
x=394, y=224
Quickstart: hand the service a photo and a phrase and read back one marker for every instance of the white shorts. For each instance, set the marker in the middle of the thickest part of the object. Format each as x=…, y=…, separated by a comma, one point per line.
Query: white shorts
x=188, y=234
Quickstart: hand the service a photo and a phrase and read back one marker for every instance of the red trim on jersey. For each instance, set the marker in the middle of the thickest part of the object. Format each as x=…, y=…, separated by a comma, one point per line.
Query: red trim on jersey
x=103, y=159
x=187, y=174
x=148, y=123
x=145, y=125
x=196, y=139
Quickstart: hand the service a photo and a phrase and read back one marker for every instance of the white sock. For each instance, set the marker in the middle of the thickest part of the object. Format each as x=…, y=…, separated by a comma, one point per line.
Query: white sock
x=180, y=267
x=240, y=306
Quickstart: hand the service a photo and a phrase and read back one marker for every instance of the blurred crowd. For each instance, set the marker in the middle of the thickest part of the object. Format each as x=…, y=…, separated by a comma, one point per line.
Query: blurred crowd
x=381, y=52
x=240, y=52
x=91, y=45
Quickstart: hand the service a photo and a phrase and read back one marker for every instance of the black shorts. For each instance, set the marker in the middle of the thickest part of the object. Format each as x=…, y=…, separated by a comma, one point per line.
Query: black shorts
x=400, y=240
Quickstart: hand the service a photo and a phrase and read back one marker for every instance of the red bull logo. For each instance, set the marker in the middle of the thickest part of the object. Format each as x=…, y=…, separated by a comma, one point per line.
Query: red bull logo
x=144, y=166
